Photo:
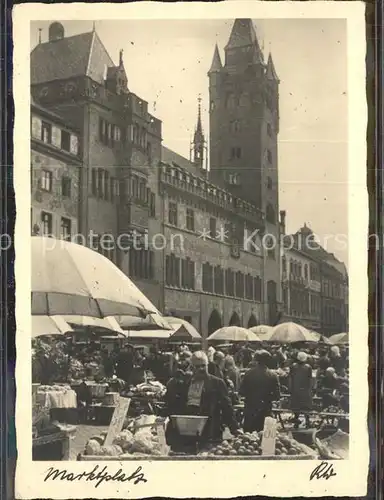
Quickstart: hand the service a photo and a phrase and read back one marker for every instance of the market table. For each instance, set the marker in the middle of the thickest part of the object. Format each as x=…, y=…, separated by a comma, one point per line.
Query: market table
x=278, y=412
x=57, y=399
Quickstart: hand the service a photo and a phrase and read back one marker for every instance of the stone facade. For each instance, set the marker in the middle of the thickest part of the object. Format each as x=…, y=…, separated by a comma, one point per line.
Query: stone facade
x=55, y=175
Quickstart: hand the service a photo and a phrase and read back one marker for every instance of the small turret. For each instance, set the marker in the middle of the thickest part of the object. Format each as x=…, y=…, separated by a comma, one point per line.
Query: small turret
x=271, y=72
x=216, y=65
x=198, y=143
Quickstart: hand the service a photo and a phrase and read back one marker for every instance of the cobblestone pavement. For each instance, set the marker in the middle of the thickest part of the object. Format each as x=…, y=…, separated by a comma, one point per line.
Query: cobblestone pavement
x=82, y=435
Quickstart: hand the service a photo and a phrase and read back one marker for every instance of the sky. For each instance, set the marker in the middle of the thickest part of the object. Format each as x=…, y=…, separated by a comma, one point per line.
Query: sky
x=167, y=64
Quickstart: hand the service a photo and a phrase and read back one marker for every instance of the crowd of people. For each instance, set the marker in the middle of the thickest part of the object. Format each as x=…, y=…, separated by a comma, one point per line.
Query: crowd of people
x=210, y=384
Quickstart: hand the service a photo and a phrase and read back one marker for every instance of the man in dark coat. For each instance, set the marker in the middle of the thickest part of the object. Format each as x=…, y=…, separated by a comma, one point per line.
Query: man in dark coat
x=200, y=394
x=260, y=387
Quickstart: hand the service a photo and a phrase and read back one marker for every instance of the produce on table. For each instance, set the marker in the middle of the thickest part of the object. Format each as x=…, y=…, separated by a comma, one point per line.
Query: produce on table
x=143, y=442
x=54, y=388
x=250, y=444
x=152, y=389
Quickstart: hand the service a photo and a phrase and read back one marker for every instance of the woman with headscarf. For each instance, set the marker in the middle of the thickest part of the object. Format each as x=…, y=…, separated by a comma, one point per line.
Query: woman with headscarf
x=336, y=360
x=300, y=385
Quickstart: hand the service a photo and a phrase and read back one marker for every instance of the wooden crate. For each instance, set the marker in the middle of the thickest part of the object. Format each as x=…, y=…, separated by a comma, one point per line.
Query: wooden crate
x=93, y=458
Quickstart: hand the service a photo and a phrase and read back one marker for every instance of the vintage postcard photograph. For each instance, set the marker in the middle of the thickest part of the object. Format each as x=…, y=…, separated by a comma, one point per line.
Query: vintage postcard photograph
x=191, y=250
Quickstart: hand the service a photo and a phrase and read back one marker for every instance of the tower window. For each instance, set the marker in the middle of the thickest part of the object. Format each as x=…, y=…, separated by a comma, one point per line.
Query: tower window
x=234, y=179
x=269, y=156
x=270, y=215
x=235, y=153
x=269, y=183
x=269, y=130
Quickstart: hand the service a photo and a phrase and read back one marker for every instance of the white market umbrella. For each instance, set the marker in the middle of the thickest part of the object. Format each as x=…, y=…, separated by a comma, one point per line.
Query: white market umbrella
x=70, y=279
x=88, y=322
x=339, y=338
x=234, y=334
x=183, y=330
x=262, y=331
x=291, y=332
x=49, y=325
x=150, y=334
x=152, y=322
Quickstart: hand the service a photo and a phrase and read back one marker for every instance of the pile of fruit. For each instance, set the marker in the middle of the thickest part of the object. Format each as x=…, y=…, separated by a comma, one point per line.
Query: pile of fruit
x=152, y=389
x=250, y=444
x=54, y=388
x=144, y=442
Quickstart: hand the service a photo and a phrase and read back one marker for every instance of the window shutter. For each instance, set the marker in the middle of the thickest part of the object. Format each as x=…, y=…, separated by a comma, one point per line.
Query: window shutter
x=36, y=127
x=74, y=145
x=56, y=136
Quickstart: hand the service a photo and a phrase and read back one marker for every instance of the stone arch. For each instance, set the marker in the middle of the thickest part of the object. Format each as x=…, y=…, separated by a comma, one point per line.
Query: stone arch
x=235, y=320
x=214, y=322
x=252, y=321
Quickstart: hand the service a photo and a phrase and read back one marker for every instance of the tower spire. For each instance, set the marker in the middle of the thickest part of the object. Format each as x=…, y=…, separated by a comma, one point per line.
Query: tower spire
x=216, y=65
x=198, y=145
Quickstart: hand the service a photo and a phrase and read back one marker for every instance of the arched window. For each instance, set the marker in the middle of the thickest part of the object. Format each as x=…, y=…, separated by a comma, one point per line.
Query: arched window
x=214, y=322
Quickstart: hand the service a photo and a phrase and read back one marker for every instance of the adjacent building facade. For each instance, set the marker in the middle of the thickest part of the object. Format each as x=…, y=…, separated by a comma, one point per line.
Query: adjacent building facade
x=314, y=285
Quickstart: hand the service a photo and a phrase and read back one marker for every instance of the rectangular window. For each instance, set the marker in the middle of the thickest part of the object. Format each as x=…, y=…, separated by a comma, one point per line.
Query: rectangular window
x=66, y=186
x=95, y=181
x=218, y=280
x=190, y=219
x=269, y=129
x=46, y=180
x=100, y=183
x=65, y=140
x=172, y=213
x=106, y=186
x=257, y=288
x=152, y=205
x=239, y=284
x=66, y=229
x=46, y=224
x=269, y=156
x=229, y=283
x=212, y=227
x=74, y=147
x=46, y=132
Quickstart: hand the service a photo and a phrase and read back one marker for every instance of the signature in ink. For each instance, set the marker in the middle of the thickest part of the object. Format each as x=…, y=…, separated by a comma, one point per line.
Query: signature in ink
x=323, y=471
x=96, y=475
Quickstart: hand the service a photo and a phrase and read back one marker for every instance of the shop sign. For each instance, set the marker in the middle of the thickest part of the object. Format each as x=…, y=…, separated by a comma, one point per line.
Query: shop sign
x=117, y=421
x=268, y=443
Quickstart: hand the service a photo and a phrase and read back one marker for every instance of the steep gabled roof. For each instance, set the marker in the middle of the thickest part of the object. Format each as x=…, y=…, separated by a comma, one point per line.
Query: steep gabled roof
x=243, y=34
x=78, y=55
x=169, y=156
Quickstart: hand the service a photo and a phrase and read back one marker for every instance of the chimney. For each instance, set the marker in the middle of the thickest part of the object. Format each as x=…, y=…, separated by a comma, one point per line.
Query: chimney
x=55, y=32
x=283, y=214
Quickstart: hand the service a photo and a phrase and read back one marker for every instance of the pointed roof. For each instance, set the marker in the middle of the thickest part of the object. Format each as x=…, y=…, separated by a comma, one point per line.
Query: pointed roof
x=199, y=127
x=78, y=55
x=216, y=61
x=243, y=34
x=271, y=72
